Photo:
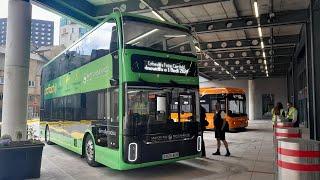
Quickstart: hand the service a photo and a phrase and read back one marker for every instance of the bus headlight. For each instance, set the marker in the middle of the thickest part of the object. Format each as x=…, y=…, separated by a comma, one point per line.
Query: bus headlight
x=199, y=141
x=132, y=152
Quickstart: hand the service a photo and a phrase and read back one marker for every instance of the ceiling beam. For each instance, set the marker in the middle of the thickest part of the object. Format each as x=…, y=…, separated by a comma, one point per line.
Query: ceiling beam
x=80, y=10
x=136, y=6
x=244, y=43
x=240, y=23
x=257, y=54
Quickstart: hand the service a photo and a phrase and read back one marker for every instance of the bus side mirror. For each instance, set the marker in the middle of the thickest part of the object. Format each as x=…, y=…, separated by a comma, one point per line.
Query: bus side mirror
x=114, y=82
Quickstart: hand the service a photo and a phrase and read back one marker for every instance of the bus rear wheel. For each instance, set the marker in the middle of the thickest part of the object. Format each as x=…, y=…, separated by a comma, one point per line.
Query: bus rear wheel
x=90, y=152
x=47, y=136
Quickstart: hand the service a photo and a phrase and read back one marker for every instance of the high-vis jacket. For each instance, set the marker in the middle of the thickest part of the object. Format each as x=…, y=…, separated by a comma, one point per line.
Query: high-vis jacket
x=292, y=114
x=278, y=118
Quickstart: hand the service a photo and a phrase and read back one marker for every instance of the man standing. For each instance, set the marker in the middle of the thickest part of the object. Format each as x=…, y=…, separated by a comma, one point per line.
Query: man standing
x=220, y=134
x=203, y=124
x=292, y=114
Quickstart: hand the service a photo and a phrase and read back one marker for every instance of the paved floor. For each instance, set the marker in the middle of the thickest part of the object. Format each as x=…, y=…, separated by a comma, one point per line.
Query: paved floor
x=252, y=159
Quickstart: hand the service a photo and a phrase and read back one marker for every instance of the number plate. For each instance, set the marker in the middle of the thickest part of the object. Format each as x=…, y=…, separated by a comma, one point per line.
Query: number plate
x=170, y=155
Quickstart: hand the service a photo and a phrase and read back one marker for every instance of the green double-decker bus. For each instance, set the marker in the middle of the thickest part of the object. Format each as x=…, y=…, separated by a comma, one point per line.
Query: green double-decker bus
x=110, y=96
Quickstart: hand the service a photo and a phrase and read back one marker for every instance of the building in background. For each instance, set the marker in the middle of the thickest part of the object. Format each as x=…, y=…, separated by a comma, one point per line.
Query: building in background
x=70, y=32
x=42, y=32
x=38, y=58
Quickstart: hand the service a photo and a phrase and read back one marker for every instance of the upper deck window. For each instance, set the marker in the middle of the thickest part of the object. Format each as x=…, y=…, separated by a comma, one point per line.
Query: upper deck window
x=157, y=37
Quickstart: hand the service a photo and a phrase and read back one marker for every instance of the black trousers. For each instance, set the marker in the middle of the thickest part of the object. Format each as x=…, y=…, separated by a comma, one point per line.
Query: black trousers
x=203, y=147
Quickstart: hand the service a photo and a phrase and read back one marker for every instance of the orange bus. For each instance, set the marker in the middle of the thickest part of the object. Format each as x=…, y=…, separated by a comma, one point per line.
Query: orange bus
x=232, y=102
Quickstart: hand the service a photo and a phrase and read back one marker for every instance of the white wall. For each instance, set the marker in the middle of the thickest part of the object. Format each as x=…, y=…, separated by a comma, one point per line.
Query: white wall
x=275, y=86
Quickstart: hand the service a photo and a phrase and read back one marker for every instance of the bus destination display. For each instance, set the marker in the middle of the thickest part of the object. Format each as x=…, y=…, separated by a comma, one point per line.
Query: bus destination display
x=151, y=64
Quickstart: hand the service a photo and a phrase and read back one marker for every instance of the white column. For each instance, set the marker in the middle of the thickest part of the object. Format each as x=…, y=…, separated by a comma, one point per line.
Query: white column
x=16, y=69
x=251, y=93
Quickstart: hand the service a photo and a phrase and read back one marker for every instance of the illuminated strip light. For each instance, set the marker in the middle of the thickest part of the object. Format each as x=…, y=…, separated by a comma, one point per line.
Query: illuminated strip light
x=153, y=11
x=256, y=10
x=142, y=36
x=217, y=64
x=260, y=31
x=227, y=72
x=262, y=45
x=198, y=49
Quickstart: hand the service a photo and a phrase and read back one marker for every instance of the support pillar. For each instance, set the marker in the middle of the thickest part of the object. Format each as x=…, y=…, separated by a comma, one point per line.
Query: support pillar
x=315, y=66
x=251, y=93
x=16, y=69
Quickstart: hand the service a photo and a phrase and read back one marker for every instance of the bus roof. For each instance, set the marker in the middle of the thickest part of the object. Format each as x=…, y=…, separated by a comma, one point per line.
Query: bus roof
x=124, y=15
x=223, y=90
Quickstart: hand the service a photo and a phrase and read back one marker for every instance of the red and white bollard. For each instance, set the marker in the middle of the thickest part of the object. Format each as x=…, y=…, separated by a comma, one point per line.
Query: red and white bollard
x=287, y=133
x=283, y=124
x=298, y=159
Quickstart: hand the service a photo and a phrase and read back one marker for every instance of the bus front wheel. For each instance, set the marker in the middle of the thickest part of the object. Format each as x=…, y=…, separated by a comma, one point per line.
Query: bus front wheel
x=90, y=152
x=47, y=136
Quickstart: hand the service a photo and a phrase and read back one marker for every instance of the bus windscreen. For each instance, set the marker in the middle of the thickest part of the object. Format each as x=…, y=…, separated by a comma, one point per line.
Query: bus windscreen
x=156, y=37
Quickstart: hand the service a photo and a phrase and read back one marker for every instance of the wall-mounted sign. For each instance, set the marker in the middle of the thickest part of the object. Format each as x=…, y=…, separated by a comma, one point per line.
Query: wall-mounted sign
x=157, y=65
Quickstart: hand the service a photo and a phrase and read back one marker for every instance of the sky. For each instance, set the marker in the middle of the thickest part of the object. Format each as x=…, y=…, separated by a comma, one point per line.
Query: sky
x=37, y=13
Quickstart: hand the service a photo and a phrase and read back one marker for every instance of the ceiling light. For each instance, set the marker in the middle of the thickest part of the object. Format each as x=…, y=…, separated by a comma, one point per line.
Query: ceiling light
x=266, y=68
x=251, y=67
x=237, y=62
x=244, y=54
x=198, y=49
x=229, y=24
x=205, y=64
x=256, y=11
x=213, y=69
x=248, y=61
x=238, y=43
x=260, y=61
x=210, y=27
x=264, y=54
x=262, y=45
x=255, y=42
x=224, y=44
x=217, y=64
x=209, y=45
x=265, y=62
x=227, y=72
x=249, y=23
x=241, y=68
x=232, y=68
x=226, y=62
x=231, y=55
x=219, y=55
x=260, y=31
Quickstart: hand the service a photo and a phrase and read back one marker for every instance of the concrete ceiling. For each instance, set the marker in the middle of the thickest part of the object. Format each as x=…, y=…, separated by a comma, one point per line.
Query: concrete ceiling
x=229, y=20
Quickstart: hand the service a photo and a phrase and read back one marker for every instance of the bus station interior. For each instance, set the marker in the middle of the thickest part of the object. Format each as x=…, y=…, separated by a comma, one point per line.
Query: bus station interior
x=272, y=56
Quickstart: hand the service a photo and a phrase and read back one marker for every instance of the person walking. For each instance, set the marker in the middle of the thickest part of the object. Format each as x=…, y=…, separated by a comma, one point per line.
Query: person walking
x=278, y=114
x=220, y=128
x=292, y=115
x=203, y=124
